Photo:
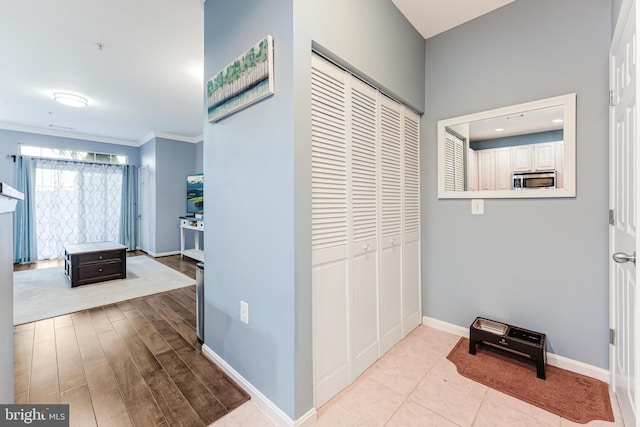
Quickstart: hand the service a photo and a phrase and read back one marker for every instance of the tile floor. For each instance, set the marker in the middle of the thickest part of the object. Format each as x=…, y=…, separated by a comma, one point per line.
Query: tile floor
x=415, y=385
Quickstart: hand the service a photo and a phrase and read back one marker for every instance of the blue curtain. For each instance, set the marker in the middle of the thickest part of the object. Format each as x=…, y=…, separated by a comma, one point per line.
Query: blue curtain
x=25, y=248
x=128, y=235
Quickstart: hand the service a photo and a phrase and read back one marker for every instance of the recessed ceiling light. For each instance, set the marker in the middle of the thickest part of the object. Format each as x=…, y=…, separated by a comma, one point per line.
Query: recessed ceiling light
x=70, y=99
x=557, y=121
x=499, y=129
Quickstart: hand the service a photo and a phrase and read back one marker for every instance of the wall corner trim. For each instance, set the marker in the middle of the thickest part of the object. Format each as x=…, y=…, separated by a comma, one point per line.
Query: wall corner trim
x=552, y=359
x=269, y=408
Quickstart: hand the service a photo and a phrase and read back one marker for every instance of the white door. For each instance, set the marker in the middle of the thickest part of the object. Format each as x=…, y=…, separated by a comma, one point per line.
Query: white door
x=143, y=208
x=623, y=195
x=391, y=223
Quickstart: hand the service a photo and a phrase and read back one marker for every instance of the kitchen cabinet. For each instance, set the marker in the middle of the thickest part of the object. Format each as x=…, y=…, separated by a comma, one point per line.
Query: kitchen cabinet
x=544, y=156
x=521, y=158
x=495, y=165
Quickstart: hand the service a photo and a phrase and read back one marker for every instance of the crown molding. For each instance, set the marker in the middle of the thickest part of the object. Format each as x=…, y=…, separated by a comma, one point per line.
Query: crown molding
x=97, y=138
x=66, y=134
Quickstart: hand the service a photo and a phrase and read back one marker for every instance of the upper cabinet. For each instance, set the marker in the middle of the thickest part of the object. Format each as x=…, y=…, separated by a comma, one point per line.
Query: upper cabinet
x=531, y=137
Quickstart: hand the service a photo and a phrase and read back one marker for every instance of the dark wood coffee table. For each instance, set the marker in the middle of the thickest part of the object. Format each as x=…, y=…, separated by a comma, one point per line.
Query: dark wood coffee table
x=94, y=262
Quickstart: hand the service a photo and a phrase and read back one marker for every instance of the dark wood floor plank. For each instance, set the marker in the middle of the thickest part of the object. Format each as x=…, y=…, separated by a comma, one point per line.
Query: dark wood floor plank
x=22, y=354
x=145, y=413
x=44, y=373
x=113, y=312
x=162, y=325
x=100, y=321
x=79, y=399
x=201, y=399
x=90, y=348
x=70, y=369
x=107, y=401
x=125, y=306
x=133, y=363
x=189, y=292
x=175, y=407
x=226, y=391
x=154, y=341
x=186, y=329
x=130, y=382
x=138, y=351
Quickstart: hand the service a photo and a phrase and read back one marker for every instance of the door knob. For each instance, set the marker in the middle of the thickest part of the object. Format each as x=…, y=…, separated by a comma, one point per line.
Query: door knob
x=621, y=257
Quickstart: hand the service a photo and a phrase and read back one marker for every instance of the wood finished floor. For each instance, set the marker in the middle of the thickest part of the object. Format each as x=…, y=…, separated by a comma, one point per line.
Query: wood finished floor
x=134, y=363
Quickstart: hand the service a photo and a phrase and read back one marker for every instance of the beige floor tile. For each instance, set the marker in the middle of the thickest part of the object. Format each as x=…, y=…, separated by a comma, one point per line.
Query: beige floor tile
x=370, y=403
x=493, y=414
x=246, y=415
x=411, y=414
x=505, y=400
x=335, y=416
x=456, y=399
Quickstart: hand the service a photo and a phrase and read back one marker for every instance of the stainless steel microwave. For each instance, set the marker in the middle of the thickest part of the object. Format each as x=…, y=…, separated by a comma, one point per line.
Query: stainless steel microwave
x=528, y=180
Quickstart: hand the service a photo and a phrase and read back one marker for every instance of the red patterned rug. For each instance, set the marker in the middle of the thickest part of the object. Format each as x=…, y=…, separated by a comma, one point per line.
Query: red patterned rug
x=572, y=396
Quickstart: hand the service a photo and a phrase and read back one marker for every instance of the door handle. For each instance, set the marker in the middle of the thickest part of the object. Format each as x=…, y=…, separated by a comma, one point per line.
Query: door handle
x=621, y=257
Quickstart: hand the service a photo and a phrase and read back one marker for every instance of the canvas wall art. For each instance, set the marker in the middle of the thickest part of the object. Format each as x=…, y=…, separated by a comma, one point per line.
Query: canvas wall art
x=245, y=81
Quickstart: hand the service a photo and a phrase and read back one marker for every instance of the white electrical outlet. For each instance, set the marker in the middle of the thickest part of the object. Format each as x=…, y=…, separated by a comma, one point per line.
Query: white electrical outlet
x=244, y=312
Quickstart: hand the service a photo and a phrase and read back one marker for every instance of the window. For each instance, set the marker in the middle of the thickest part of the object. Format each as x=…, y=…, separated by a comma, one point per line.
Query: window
x=77, y=155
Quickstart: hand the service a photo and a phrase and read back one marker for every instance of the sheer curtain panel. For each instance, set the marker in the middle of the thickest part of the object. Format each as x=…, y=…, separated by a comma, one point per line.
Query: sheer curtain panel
x=76, y=202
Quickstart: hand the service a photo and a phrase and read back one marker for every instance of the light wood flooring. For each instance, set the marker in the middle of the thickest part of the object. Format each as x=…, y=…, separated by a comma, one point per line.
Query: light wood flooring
x=134, y=363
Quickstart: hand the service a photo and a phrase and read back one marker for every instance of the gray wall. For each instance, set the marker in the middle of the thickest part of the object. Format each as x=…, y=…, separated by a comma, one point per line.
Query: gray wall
x=10, y=140
x=257, y=166
x=538, y=263
x=199, y=157
x=169, y=163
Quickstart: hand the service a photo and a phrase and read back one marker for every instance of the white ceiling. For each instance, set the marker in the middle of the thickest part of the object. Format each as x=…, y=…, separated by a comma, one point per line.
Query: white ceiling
x=148, y=77
x=431, y=17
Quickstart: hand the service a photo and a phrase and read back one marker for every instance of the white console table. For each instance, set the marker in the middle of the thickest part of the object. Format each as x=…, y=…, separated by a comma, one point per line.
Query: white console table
x=197, y=225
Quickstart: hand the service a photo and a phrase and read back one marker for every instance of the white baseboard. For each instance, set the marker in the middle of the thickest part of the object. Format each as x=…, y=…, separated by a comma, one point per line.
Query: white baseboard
x=552, y=359
x=269, y=408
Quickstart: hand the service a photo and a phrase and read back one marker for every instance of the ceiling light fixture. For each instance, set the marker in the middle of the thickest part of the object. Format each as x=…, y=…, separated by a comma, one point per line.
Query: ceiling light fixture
x=70, y=99
x=557, y=121
x=499, y=129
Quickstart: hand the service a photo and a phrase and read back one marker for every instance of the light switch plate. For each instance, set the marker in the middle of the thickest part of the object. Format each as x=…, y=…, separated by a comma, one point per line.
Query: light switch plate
x=477, y=206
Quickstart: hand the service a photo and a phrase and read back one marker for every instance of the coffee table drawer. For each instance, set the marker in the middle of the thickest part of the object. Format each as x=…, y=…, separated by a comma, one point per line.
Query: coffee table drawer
x=98, y=257
x=99, y=272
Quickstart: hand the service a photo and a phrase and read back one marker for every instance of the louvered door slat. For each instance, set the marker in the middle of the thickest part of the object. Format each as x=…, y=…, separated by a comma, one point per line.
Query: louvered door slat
x=411, y=173
x=364, y=198
x=391, y=167
x=328, y=168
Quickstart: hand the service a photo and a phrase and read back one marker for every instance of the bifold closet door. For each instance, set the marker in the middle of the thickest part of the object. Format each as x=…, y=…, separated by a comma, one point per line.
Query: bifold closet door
x=363, y=193
x=411, y=295
x=331, y=338
x=391, y=222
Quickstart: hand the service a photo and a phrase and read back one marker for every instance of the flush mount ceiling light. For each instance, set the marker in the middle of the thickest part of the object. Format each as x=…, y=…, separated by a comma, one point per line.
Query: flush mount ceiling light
x=70, y=99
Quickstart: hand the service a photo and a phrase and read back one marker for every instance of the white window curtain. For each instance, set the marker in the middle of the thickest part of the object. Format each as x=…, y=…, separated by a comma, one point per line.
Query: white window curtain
x=75, y=202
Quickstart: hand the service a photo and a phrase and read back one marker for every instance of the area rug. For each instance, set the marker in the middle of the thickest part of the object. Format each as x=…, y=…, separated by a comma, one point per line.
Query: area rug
x=46, y=292
x=572, y=396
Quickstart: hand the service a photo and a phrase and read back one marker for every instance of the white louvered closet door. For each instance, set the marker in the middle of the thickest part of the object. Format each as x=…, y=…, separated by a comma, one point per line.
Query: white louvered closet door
x=411, y=295
x=331, y=356
x=453, y=163
x=364, y=217
x=365, y=226
x=390, y=126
